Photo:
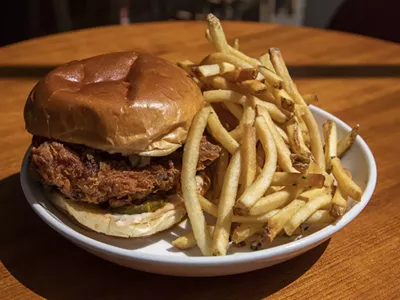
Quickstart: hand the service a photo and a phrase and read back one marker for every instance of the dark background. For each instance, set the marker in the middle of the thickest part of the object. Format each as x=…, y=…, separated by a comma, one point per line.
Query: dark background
x=24, y=19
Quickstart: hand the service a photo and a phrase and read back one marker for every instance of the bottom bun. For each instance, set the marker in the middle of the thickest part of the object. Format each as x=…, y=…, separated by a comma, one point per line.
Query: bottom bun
x=121, y=225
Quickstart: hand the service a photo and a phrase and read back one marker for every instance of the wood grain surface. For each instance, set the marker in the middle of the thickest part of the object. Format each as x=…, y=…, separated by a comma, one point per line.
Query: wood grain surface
x=356, y=78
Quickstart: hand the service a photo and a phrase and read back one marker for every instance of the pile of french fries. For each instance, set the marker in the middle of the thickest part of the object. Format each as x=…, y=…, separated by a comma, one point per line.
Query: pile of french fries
x=274, y=173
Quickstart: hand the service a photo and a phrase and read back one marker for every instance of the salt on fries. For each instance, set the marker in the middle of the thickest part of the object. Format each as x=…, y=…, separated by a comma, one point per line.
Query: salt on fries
x=274, y=173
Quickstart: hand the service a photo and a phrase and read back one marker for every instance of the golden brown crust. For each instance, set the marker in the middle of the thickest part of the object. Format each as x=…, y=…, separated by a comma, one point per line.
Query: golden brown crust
x=123, y=102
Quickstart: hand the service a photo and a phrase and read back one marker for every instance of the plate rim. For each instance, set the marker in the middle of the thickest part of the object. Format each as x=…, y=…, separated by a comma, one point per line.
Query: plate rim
x=237, y=258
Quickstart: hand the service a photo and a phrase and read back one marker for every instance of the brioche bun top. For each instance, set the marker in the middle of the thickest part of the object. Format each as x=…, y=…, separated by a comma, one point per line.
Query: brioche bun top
x=126, y=102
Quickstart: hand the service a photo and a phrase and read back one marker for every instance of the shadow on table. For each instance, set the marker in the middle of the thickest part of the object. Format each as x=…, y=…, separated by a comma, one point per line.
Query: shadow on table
x=50, y=266
x=299, y=71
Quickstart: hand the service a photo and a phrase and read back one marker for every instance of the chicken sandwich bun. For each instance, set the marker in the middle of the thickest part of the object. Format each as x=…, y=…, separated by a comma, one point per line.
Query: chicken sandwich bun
x=107, y=141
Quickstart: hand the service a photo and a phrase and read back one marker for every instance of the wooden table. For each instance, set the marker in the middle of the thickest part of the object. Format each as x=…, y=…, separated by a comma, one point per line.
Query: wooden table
x=357, y=79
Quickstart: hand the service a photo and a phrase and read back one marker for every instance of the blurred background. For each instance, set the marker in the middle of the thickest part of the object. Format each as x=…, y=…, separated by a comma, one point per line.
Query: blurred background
x=24, y=19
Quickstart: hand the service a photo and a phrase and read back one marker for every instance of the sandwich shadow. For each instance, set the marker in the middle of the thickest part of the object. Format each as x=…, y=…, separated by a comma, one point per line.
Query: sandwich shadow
x=50, y=266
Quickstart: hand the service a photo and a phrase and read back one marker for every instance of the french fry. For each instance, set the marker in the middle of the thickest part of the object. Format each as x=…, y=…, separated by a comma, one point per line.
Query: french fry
x=284, y=100
x=254, y=85
x=310, y=99
x=300, y=163
x=273, y=79
x=234, y=109
x=248, y=118
x=212, y=210
x=278, y=221
x=217, y=34
x=214, y=69
x=290, y=87
x=240, y=55
x=239, y=75
x=222, y=164
x=266, y=62
x=330, y=136
x=221, y=134
x=284, y=160
x=245, y=230
x=224, y=95
x=188, y=240
x=235, y=44
x=259, y=77
x=262, y=182
x=320, y=217
x=226, y=68
x=314, y=192
x=314, y=168
x=208, y=36
x=295, y=137
x=207, y=70
x=236, y=133
x=188, y=180
x=302, y=124
x=339, y=204
x=273, y=189
x=345, y=183
x=249, y=114
x=218, y=57
x=264, y=95
x=305, y=212
x=208, y=206
x=278, y=97
x=299, y=110
x=276, y=114
x=187, y=65
x=269, y=94
x=298, y=179
x=226, y=203
x=314, y=137
x=281, y=98
x=347, y=141
x=274, y=200
x=282, y=133
x=304, y=132
x=219, y=83
x=249, y=159
x=281, y=68
x=260, y=155
x=262, y=218
x=260, y=158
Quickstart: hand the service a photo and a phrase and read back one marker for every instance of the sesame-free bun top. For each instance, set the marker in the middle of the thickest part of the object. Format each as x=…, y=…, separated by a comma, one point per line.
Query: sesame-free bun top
x=126, y=102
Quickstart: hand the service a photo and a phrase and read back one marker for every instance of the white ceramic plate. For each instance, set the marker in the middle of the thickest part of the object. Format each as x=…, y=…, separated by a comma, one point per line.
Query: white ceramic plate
x=155, y=254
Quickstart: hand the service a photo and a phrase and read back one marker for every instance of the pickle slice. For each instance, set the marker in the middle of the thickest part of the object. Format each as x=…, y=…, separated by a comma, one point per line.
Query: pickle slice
x=148, y=206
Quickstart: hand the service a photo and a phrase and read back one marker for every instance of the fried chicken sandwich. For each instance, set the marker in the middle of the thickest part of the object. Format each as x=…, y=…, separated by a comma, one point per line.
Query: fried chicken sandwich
x=107, y=141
